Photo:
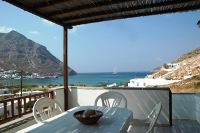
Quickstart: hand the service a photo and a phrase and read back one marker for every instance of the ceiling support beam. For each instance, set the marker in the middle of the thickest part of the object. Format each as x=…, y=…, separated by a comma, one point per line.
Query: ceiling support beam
x=90, y=6
x=35, y=12
x=65, y=66
x=134, y=8
x=174, y=10
x=45, y=4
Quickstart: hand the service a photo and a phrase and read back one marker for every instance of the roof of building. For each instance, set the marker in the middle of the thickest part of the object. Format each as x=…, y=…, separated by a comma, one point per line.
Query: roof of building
x=70, y=13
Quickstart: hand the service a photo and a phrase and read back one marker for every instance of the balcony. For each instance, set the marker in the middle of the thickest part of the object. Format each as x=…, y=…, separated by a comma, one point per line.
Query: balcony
x=180, y=111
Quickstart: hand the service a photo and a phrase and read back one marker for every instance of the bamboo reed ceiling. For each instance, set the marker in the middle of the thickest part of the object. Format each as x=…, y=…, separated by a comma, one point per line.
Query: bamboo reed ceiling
x=70, y=13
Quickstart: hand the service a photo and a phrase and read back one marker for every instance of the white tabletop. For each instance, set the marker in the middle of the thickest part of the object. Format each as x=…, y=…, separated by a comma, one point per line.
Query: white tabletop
x=114, y=120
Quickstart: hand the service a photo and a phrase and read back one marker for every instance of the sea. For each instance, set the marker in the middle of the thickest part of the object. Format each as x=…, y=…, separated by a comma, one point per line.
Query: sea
x=90, y=79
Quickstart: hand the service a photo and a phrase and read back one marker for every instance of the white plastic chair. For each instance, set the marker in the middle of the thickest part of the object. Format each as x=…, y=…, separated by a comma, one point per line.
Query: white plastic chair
x=152, y=117
x=47, y=108
x=111, y=96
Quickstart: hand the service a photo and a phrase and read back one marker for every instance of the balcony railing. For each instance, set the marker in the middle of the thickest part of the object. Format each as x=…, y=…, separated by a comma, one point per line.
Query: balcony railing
x=19, y=107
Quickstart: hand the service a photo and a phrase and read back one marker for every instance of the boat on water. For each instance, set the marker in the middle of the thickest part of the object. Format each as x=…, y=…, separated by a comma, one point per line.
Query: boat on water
x=115, y=71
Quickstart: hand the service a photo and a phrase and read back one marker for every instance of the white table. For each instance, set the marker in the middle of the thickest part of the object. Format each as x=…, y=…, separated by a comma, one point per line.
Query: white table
x=114, y=120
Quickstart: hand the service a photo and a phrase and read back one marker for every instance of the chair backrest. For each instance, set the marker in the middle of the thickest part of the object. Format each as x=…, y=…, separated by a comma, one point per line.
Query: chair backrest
x=47, y=108
x=113, y=96
x=154, y=116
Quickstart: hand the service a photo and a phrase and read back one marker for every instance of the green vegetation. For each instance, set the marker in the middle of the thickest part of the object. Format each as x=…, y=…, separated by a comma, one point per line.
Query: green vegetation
x=27, y=104
x=197, y=85
x=194, y=78
x=1, y=116
x=71, y=84
x=16, y=88
x=126, y=83
x=103, y=85
x=80, y=84
x=165, y=66
x=54, y=85
x=169, y=78
x=50, y=85
x=120, y=84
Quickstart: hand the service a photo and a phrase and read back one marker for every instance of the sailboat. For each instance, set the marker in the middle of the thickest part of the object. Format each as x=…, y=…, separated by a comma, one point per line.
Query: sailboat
x=115, y=71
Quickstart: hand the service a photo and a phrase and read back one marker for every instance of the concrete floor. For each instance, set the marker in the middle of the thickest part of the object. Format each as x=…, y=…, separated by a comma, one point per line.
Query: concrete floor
x=178, y=126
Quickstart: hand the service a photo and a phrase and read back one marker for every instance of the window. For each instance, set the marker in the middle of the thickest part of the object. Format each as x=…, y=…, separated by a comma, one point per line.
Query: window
x=144, y=84
x=137, y=83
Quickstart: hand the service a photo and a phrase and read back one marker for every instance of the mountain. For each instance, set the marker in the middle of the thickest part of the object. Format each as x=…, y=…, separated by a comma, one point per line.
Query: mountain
x=156, y=69
x=19, y=53
x=188, y=56
x=188, y=65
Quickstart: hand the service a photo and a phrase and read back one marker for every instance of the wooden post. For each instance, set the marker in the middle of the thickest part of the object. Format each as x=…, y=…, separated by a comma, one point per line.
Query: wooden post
x=5, y=110
x=65, y=67
x=21, y=81
x=170, y=107
x=12, y=108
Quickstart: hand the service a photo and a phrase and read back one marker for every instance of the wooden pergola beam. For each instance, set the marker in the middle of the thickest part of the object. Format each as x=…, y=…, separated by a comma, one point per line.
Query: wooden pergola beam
x=35, y=12
x=151, y=5
x=45, y=4
x=89, y=6
x=174, y=10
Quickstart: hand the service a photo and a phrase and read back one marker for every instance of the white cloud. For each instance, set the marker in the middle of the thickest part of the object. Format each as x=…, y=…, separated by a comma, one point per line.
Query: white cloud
x=48, y=23
x=167, y=15
x=34, y=32
x=55, y=38
x=158, y=59
x=2, y=28
x=6, y=30
x=74, y=29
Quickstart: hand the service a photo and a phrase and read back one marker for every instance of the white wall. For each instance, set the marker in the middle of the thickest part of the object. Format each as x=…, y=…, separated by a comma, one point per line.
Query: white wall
x=3, y=90
x=146, y=82
x=9, y=108
x=197, y=107
x=141, y=102
x=185, y=106
x=58, y=94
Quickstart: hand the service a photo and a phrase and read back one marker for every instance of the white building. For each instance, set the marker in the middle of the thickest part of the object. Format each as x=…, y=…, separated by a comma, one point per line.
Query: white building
x=174, y=65
x=4, y=91
x=35, y=75
x=146, y=82
x=28, y=93
x=111, y=85
x=9, y=108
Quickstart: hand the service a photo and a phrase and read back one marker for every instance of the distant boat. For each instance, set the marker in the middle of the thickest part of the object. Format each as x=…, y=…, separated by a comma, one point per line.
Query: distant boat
x=115, y=71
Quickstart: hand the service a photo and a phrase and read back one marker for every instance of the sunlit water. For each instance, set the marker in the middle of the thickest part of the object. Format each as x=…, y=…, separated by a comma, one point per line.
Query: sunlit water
x=89, y=79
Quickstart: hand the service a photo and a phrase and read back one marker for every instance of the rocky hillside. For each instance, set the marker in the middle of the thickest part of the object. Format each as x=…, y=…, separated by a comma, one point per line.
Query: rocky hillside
x=19, y=53
x=189, y=66
x=188, y=56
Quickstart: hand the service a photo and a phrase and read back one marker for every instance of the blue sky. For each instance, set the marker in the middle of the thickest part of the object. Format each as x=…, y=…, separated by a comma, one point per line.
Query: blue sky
x=134, y=44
